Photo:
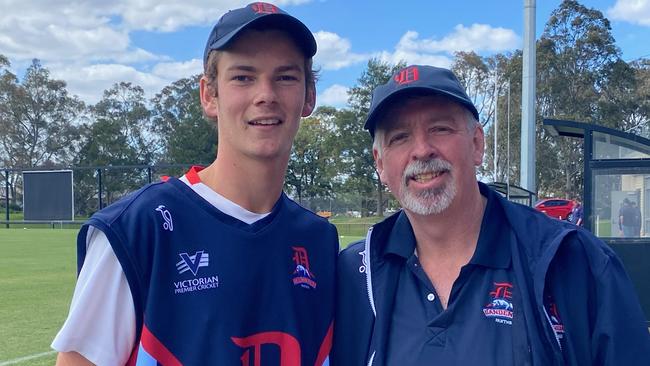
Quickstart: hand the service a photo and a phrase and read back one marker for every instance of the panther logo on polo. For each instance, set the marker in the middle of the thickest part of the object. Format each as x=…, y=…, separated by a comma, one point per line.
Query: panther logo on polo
x=500, y=306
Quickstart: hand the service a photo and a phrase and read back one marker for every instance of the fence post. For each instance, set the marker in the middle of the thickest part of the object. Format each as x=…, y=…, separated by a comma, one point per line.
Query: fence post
x=7, y=196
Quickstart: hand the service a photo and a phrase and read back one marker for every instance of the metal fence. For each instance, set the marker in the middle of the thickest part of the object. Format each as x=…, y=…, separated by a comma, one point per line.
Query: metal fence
x=94, y=188
x=98, y=186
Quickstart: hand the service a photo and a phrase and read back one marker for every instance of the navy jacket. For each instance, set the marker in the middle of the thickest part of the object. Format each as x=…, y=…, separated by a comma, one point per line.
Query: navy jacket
x=603, y=321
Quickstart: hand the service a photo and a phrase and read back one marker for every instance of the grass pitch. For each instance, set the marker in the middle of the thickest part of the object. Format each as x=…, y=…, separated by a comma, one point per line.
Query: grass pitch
x=37, y=276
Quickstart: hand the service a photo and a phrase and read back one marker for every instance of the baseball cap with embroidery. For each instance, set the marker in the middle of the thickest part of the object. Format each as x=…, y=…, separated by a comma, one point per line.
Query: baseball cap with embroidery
x=262, y=15
x=417, y=79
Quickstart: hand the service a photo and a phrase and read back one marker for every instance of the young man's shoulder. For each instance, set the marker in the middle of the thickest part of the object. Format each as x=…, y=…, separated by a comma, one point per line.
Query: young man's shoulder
x=301, y=214
x=134, y=202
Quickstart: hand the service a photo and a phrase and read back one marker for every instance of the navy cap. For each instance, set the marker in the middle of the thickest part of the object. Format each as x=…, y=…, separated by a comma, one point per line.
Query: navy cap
x=263, y=14
x=417, y=79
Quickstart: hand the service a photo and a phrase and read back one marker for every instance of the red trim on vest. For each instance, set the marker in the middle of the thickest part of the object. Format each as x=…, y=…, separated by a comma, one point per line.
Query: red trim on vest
x=157, y=350
x=192, y=175
x=325, y=347
x=133, y=359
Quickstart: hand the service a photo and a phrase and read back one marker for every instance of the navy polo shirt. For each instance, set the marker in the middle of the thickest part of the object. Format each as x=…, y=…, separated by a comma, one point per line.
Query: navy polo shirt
x=476, y=327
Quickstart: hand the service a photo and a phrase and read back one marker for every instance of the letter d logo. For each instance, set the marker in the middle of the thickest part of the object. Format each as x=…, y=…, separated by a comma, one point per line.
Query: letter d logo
x=289, y=348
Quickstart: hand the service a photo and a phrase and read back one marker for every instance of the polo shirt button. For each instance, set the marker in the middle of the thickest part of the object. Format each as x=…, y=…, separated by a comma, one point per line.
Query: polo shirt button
x=431, y=297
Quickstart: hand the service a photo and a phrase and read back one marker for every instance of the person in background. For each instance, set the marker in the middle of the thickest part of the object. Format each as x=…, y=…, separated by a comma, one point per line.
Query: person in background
x=577, y=213
x=638, y=221
x=627, y=219
x=461, y=276
x=219, y=267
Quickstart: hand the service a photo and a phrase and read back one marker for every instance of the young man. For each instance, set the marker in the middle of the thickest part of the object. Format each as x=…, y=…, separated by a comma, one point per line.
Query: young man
x=219, y=267
x=461, y=276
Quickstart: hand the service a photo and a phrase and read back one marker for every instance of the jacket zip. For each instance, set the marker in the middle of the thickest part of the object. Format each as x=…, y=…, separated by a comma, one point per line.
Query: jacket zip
x=557, y=336
x=372, y=358
x=366, y=259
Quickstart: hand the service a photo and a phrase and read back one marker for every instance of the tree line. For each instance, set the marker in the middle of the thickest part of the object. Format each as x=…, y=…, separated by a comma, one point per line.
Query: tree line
x=581, y=76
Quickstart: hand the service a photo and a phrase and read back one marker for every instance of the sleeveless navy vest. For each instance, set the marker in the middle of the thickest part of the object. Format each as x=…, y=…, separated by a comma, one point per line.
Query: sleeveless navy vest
x=209, y=289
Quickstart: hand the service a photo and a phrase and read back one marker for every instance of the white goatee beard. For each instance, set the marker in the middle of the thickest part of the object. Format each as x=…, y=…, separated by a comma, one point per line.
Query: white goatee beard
x=429, y=201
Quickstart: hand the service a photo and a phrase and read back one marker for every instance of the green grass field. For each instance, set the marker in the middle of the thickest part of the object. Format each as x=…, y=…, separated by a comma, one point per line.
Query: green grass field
x=37, y=277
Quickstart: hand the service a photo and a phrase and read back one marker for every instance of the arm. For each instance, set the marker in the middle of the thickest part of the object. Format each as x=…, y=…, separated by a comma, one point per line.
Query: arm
x=100, y=327
x=72, y=359
x=620, y=335
x=353, y=316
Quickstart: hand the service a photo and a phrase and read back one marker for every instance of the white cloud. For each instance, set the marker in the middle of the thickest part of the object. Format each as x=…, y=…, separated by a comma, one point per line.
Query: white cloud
x=89, y=82
x=477, y=37
x=414, y=58
x=633, y=11
x=93, y=30
x=59, y=31
x=335, y=96
x=88, y=43
x=334, y=52
x=178, y=70
x=171, y=15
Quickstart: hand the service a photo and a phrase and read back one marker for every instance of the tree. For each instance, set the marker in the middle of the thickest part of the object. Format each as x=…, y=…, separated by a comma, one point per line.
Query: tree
x=39, y=121
x=508, y=96
x=483, y=79
x=625, y=100
x=576, y=57
x=120, y=135
x=354, y=143
x=185, y=135
x=311, y=166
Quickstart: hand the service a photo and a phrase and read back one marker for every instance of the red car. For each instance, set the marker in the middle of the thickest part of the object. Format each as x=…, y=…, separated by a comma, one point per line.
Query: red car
x=556, y=207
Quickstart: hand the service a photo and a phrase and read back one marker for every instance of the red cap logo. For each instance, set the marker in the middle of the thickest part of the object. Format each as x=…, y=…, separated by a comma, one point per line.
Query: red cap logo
x=264, y=8
x=407, y=75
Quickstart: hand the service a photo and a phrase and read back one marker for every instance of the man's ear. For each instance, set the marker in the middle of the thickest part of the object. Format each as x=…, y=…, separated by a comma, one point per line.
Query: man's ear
x=310, y=100
x=379, y=163
x=479, y=144
x=208, y=99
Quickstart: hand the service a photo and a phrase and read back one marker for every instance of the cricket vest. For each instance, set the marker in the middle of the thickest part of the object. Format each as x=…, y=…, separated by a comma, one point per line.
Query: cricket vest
x=209, y=289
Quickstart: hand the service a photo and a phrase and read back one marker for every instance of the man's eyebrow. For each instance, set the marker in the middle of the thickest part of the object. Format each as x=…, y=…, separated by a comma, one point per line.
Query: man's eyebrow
x=285, y=68
x=241, y=68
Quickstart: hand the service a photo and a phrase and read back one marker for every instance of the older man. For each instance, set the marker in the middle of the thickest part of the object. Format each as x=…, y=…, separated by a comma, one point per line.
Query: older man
x=461, y=276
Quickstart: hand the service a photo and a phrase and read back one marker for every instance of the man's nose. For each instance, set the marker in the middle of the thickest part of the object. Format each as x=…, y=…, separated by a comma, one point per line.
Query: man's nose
x=424, y=147
x=265, y=93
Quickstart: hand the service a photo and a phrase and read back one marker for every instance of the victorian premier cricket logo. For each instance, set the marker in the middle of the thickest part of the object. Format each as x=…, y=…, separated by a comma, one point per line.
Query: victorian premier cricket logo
x=193, y=263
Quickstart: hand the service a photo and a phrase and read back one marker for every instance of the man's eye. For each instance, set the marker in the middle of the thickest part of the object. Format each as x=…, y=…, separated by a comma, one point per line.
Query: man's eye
x=242, y=78
x=287, y=78
x=397, y=138
x=441, y=130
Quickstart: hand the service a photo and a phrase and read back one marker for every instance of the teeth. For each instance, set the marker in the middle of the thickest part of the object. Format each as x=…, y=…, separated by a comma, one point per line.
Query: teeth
x=266, y=122
x=425, y=177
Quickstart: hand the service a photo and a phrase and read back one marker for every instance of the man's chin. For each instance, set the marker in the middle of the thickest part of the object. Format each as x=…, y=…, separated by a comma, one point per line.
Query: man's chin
x=431, y=202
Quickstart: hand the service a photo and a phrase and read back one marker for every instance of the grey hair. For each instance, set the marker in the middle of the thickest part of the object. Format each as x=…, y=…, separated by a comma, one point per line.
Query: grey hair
x=378, y=141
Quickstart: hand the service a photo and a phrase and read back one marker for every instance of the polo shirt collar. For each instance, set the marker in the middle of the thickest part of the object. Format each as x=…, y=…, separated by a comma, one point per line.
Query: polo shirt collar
x=401, y=240
x=492, y=249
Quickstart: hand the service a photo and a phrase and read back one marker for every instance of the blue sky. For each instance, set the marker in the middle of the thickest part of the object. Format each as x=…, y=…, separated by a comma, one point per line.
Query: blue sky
x=93, y=44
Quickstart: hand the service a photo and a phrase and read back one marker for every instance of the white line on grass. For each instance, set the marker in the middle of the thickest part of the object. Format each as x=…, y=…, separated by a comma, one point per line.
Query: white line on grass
x=26, y=358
